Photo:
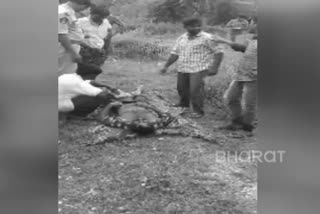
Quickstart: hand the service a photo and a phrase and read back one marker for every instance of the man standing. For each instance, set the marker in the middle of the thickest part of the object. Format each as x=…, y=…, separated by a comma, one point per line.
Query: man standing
x=96, y=29
x=241, y=96
x=198, y=56
x=69, y=35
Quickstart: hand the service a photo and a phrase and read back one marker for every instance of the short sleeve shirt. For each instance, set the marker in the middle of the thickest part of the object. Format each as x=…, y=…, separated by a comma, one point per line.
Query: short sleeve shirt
x=68, y=23
x=196, y=54
x=95, y=33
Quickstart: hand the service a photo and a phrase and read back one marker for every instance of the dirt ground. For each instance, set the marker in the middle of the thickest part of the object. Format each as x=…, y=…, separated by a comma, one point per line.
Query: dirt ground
x=154, y=175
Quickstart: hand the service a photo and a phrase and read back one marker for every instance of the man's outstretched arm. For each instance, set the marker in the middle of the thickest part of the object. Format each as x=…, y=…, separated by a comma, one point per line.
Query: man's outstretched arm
x=172, y=59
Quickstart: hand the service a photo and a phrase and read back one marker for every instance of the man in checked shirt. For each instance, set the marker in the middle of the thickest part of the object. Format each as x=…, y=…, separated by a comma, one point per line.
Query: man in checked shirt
x=198, y=56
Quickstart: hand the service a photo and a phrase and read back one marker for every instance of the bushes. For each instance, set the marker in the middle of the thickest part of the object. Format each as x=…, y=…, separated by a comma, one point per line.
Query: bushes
x=135, y=48
x=215, y=11
x=168, y=11
x=161, y=28
x=224, y=12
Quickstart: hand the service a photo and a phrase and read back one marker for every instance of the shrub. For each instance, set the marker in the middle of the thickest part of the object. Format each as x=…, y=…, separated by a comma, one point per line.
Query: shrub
x=168, y=11
x=161, y=28
x=224, y=12
x=135, y=48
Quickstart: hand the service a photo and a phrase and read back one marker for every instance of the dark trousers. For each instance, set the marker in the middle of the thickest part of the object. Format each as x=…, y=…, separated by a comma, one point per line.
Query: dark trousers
x=85, y=105
x=191, y=90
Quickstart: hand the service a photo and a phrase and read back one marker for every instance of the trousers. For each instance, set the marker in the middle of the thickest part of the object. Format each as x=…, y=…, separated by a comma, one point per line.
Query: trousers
x=191, y=90
x=241, y=98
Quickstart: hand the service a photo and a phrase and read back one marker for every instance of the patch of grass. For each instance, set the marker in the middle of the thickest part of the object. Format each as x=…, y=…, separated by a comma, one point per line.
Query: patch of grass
x=135, y=46
x=151, y=175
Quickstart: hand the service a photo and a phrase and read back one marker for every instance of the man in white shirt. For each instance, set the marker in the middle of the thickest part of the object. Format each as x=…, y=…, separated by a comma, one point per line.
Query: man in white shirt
x=96, y=29
x=69, y=35
x=71, y=86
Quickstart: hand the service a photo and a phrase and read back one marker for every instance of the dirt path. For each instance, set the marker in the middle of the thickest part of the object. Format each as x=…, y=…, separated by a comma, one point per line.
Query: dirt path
x=153, y=175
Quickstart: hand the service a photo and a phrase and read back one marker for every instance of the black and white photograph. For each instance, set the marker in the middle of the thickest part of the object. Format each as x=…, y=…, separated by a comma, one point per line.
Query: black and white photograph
x=157, y=103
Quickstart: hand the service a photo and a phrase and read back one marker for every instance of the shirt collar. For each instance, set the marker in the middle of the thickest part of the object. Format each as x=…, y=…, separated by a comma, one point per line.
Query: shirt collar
x=198, y=35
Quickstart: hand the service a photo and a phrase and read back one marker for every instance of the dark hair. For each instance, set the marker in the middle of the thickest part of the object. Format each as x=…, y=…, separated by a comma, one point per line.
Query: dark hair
x=82, y=2
x=88, y=70
x=98, y=10
x=192, y=21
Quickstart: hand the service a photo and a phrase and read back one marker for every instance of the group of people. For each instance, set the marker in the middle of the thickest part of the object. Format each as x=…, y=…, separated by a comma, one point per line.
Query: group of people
x=198, y=55
x=83, y=46
x=83, y=38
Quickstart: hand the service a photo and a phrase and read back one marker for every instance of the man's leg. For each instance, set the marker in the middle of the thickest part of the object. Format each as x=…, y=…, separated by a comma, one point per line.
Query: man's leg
x=183, y=89
x=197, y=91
x=85, y=105
x=107, y=47
x=232, y=97
x=249, y=105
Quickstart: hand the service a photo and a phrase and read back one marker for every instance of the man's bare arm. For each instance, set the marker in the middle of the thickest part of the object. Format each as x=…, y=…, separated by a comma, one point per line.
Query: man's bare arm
x=65, y=42
x=99, y=84
x=235, y=46
x=172, y=59
x=115, y=21
x=218, y=57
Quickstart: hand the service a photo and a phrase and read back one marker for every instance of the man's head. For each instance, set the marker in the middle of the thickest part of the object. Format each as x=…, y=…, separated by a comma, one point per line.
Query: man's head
x=193, y=25
x=99, y=13
x=253, y=29
x=87, y=71
x=80, y=5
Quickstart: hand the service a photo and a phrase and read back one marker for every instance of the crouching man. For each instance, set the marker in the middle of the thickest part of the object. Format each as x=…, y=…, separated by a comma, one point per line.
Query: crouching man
x=79, y=93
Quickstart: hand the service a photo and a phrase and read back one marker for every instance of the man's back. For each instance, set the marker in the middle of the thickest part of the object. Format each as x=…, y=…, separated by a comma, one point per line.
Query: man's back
x=71, y=86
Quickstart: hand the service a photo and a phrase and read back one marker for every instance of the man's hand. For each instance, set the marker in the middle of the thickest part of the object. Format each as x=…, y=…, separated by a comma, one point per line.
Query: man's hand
x=212, y=71
x=76, y=57
x=163, y=70
x=106, y=94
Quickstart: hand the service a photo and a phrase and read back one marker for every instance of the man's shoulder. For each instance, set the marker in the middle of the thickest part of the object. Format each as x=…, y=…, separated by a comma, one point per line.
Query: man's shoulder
x=185, y=35
x=62, y=9
x=205, y=34
x=65, y=11
x=69, y=78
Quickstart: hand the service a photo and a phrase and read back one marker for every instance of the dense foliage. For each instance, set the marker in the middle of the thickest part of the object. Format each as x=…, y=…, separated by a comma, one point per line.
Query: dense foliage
x=214, y=11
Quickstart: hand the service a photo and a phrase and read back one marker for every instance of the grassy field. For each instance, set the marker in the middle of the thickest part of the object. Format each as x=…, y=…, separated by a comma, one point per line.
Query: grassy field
x=156, y=175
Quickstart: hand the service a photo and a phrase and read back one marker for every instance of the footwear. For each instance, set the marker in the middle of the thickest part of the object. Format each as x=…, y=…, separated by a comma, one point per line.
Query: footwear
x=232, y=127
